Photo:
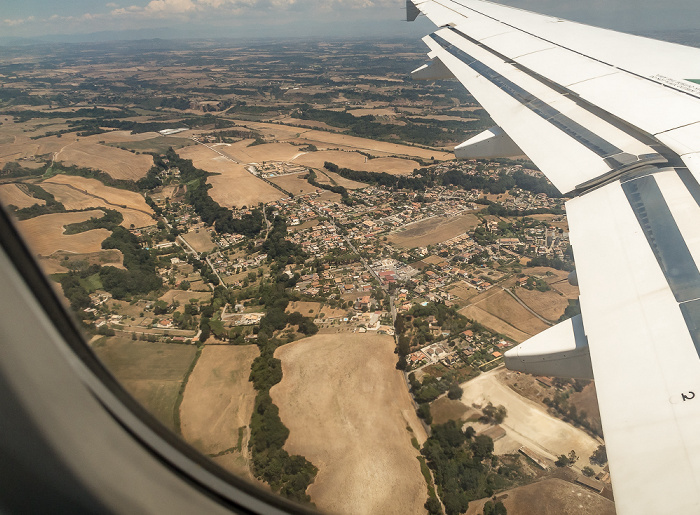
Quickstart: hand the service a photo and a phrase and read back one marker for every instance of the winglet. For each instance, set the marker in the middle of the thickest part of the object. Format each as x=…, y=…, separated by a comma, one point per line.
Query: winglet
x=412, y=11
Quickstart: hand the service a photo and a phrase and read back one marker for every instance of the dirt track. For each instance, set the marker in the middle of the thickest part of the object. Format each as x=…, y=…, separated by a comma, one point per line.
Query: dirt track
x=347, y=409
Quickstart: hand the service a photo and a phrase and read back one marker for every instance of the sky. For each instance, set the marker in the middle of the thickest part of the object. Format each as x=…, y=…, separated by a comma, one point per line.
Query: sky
x=302, y=18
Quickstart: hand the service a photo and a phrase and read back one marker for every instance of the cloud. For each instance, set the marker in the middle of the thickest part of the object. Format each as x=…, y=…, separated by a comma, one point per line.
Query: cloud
x=17, y=21
x=170, y=6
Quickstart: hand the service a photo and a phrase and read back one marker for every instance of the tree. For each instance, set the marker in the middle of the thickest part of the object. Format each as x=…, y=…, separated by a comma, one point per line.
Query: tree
x=455, y=392
x=587, y=471
x=433, y=506
x=562, y=461
x=491, y=508
x=424, y=413
x=599, y=456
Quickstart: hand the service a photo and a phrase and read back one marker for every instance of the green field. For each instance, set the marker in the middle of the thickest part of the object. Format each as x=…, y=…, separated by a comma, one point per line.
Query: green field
x=151, y=372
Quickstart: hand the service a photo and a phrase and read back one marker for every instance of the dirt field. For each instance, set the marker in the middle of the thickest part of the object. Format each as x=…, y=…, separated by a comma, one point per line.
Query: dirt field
x=219, y=399
x=200, y=241
x=151, y=372
x=528, y=423
x=13, y=194
x=461, y=293
x=548, y=304
x=550, y=497
x=118, y=163
x=45, y=233
x=234, y=186
x=347, y=409
x=356, y=161
x=444, y=409
x=184, y=297
x=308, y=309
x=433, y=230
x=294, y=183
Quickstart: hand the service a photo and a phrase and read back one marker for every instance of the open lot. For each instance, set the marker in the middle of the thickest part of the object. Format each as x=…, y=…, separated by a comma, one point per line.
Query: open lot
x=184, y=297
x=433, y=230
x=45, y=233
x=218, y=399
x=118, y=163
x=13, y=194
x=527, y=422
x=444, y=409
x=357, y=161
x=199, y=239
x=308, y=309
x=326, y=177
x=151, y=372
x=549, y=497
x=347, y=409
x=235, y=186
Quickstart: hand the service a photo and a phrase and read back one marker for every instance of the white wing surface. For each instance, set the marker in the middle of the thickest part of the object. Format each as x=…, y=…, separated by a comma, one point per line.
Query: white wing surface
x=613, y=120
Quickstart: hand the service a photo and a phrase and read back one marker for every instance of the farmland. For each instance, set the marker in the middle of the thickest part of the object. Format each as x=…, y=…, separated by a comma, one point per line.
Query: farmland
x=218, y=400
x=347, y=411
x=119, y=164
x=45, y=234
x=151, y=372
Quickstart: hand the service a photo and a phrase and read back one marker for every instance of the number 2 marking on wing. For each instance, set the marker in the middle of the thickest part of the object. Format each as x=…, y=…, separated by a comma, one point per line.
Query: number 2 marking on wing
x=690, y=396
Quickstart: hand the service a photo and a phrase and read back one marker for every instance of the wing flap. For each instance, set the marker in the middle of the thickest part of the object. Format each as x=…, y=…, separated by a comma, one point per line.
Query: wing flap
x=642, y=353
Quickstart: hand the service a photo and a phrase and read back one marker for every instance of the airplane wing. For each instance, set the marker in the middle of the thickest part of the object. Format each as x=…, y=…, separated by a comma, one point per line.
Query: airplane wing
x=613, y=120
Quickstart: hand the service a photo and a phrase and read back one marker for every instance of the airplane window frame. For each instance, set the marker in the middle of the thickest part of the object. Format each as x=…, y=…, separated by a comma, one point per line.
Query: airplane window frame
x=190, y=465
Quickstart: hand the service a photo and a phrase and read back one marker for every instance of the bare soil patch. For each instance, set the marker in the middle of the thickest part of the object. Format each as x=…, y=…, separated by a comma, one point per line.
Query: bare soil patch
x=13, y=194
x=527, y=422
x=433, y=230
x=347, y=409
x=45, y=233
x=118, y=163
x=219, y=398
x=587, y=400
x=549, y=497
x=151, y=372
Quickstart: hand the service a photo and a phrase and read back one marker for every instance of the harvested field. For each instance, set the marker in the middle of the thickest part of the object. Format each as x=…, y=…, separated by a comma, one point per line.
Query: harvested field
x=13, y=194
x=119, y=164
x=379, y=148
x=151, y=372
x=24, y=148
x=433, y=230
x=219, y=398
x=77, y=194
x=57, y=262
x=527, y=422
x=462, y=293
x=494, y=323
x=356, y=161
x=326, y=177
x=235, y=186
x=347, y=409
x=548, y=304
x=549, y=497
x=199, y=239
x=500, y=304
x=294, y=183
x=44, y=233
x=444, y=409
x=159, y=144
x=308, y=309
